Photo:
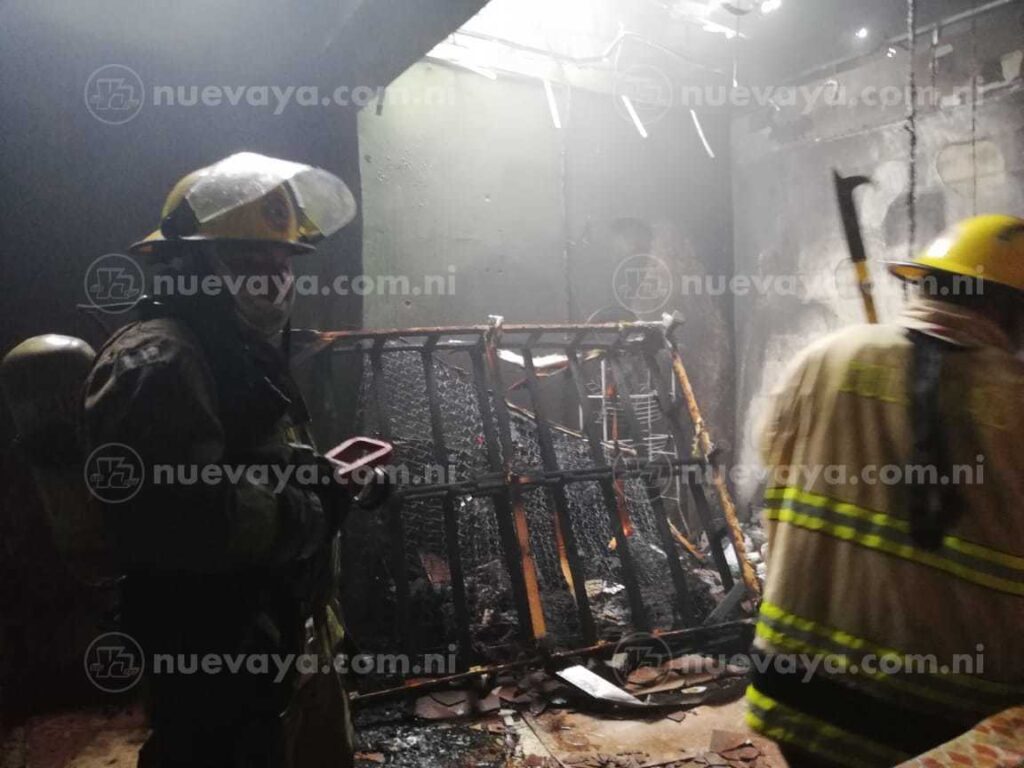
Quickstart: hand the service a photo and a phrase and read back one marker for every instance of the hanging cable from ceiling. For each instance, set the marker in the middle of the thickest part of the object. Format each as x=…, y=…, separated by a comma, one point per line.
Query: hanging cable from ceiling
x=911, y=127
x=737, y=37
x=736, y=55
x=974, y=117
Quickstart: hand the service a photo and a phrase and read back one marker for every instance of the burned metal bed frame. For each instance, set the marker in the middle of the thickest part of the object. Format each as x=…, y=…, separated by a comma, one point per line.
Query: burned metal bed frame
x=647, y=345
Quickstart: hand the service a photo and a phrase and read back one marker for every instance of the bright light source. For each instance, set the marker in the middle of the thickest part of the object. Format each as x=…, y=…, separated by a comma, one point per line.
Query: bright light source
x=552, y=105
x=891, y=53
x=636, y=118
x=700, y=132
x=728, y=32
x=770, y=5
x=862, y=33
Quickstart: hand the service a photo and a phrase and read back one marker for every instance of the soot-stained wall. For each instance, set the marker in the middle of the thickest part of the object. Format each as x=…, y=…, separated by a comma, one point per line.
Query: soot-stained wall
x=788, y=237
x=532, y=222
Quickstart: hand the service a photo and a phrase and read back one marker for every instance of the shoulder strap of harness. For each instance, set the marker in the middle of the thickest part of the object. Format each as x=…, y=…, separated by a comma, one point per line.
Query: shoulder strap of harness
x=932, y=507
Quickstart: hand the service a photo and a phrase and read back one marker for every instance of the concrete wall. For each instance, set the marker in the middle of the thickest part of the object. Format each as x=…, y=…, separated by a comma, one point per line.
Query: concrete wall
x=534, y=220
x=787, y=227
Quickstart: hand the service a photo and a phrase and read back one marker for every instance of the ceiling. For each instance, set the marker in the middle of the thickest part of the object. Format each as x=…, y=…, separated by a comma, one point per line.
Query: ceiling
x=771, y=47
x=803, y=34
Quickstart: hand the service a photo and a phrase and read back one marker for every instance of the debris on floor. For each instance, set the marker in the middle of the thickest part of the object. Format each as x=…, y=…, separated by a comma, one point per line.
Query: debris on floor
x=596, y=686
x=445, y=705
x=517, y=735
x=691, y=679
x=707, y=736
x=389, y=737
x=680, y=711
x=78, y=739
x=560, y=737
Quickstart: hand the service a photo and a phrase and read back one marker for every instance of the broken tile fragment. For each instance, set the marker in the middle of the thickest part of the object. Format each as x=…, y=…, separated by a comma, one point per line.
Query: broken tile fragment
x=726, y=741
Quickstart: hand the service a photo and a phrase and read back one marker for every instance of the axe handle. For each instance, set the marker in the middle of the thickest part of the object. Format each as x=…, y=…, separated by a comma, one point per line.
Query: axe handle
x=864, y=284
x=845, y=187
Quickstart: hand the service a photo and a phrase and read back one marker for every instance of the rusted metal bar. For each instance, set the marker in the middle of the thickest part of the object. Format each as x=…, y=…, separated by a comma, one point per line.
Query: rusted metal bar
x=685, y=542
x=502, y=499
x=490, y=483
x=717, y=476
x=568, y=549
x=716, y=533
x=608, y=394
x=456, y=345
x=396, y=525
x=676, y=637
x=451, y=520
x=442, y=331
x=538, y=625
x=638, y=612
x=314, y=342
x=625, y=400
x=729, y=603
x=460, y=338
x=671, y=412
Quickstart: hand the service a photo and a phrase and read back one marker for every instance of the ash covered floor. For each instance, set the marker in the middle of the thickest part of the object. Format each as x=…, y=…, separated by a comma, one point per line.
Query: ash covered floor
x=391, y=736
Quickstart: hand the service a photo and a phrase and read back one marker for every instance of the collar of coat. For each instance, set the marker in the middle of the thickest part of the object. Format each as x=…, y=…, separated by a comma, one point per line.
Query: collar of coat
x=958, y=325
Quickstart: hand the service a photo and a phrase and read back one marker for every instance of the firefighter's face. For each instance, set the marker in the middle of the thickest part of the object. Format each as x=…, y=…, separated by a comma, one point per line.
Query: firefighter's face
x=263, y=274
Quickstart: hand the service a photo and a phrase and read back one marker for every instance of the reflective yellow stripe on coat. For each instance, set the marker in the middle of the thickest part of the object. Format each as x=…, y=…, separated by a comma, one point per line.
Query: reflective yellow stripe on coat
x=917, y=684
x=962, y=559
x=788, y=726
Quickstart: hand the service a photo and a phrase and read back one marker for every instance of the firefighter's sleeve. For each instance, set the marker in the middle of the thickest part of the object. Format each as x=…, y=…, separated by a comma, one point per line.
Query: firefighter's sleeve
x=154, y=393
x=780, y=423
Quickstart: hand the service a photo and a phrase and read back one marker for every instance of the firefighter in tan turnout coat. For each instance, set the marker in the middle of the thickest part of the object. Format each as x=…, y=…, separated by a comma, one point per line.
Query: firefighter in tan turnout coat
x=895, y=594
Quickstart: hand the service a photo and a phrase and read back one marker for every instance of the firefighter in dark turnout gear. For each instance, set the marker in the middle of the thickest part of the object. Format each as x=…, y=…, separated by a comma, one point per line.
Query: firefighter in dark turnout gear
x=235, y=567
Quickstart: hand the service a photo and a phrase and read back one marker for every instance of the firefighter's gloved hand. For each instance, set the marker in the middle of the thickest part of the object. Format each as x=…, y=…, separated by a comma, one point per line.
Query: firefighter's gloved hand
x=307, y=465
x=373, y=491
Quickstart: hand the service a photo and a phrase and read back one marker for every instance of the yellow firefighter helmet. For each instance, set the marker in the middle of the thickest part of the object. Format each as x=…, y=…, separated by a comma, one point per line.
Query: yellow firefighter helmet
x=986, y=247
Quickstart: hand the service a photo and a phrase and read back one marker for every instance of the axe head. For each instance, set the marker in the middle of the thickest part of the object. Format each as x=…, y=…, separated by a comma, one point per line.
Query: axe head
x=845, y=185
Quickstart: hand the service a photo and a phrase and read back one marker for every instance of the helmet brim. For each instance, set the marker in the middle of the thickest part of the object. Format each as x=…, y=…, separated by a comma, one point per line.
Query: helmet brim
x=907, y=271
x=915, y=271
x=155, y=242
